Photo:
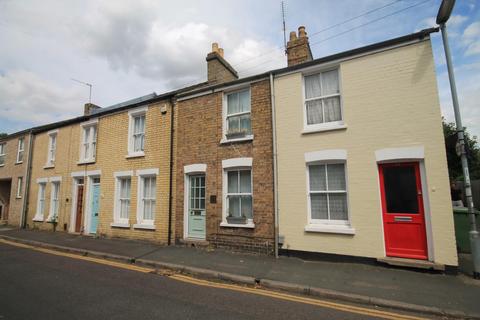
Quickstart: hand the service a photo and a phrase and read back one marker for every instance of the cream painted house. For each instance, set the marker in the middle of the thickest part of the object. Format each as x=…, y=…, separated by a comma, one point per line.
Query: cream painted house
x=361, y=164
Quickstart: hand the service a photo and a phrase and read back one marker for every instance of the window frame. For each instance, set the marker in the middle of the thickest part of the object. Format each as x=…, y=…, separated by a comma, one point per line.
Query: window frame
x=225, y=115
x=92, y=128
x=21, y=142
x=54, y=197
x=131, y=127
x=42, y=190
x=323, y=126
x=51, y=151
x=118, y=221
x=142, y=176
x=3, y=153
x=18, y=194
x=312, y=221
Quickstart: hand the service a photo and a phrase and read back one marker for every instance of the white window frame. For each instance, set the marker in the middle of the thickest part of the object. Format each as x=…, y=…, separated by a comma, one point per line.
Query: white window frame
x=324, y=126
x=41, y=200
x=54, y=197
x=224, y=115
x=21, y=143
x=117, y=220
x=141, y=222
x=326, y=157
x=19, y=187
x=235, y=164
x=52, y=148
x=92, y=128
x=131, y=127
x=3, y=154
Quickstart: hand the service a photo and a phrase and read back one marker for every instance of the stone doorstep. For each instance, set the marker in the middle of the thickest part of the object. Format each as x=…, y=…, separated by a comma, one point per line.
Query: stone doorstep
x=194, y=243
x=412, y=263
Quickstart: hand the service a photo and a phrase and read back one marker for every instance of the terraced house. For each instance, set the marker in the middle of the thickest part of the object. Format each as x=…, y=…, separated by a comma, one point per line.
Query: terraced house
x=14, y=161
x=362, y=168
x=106, y=173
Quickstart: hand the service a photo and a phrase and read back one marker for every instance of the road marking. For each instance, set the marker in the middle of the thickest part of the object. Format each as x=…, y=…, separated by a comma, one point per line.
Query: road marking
x=206, y=283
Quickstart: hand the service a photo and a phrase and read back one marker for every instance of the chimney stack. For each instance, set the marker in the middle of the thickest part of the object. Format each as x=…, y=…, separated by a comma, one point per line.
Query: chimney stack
x=218, y=69
x=298, y=48
x=89, y=108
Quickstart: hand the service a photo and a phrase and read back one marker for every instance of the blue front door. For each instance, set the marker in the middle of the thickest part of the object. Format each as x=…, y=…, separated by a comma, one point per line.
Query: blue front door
x=95, y=205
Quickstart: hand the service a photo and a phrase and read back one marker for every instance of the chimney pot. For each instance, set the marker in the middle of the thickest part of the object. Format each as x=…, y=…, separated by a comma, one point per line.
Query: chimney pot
x=301, y=32
x=293, y=36
x=215, y=47
x=220, y=52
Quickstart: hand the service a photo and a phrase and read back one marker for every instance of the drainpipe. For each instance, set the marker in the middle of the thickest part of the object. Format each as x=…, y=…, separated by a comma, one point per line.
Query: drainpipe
x=275, y=173
x=23, y=218
x=170, y=191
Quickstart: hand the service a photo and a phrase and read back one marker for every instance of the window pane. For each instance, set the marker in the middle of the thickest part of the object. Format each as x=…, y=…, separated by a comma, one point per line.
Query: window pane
x=245, y=181
x=245, y=123
x=247, y=206
x=234, y=124
x=232, y=181
x=86, y=135
x=336, y=176
x=234, y=206
x=332, y=109
x=244, y=101
x=338, y=206
x=318, y=204
x=330, y=82
x=400, y=189
x=312, y=86
x=317, y=178
x=314, y=112
x=233, y=103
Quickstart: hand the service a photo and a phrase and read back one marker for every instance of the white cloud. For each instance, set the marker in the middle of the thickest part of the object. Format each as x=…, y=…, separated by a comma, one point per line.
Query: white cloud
x=26, y=97
x=471, y=39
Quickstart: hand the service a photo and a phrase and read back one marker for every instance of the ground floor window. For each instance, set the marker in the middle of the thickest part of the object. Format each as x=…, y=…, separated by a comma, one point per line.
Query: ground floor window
x=122, y=199
x=239, y=194
x=40, y=202
x=54, y=201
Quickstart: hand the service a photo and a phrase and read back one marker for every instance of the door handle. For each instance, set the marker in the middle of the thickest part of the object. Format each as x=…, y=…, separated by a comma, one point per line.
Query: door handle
x=403, y=219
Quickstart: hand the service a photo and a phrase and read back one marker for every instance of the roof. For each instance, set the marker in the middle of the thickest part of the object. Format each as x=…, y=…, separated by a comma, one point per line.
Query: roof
x=204, y=86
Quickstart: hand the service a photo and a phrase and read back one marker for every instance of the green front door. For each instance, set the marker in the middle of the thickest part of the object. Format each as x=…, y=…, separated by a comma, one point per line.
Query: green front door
x=196, y=206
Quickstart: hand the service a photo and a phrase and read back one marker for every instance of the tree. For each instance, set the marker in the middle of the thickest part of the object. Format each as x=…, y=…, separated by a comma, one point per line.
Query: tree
x=3, y=135
x=471, y=146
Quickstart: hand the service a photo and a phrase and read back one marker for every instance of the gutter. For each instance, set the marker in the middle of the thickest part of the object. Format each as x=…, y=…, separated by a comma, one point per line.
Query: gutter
x=275, y=173
x=170, y=187
x=23, y=218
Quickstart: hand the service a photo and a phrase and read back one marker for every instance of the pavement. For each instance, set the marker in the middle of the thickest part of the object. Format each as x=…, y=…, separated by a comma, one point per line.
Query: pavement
x=432, y=293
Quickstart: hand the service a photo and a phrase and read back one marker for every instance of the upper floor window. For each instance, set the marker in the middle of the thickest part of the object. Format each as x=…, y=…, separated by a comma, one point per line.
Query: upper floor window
x=20, y=150
x=136, y=132
x=322, y=100
x=89, y=142
x=237, y=122
x=2, y=153
x=52, y=147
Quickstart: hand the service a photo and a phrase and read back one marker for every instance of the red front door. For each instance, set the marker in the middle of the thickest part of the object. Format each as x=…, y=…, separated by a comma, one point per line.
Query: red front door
x=78, y=220
x=403, y=213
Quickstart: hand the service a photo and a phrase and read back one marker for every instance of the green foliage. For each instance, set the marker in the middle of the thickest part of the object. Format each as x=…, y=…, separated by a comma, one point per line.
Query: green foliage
x=3, y=135
x=454, y=163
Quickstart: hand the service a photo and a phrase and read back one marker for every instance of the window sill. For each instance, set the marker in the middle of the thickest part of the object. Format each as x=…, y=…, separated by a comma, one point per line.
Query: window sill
x=324, y=128
x=120, y=225
x=19, y=162
x=1, y=165
x=323, y=228
x=135, y=155
x=249, y=225
x=18, y=197
x=48, y=166
x=246, y=138
x=37, y=219
x=85, y=161
x=144, y=226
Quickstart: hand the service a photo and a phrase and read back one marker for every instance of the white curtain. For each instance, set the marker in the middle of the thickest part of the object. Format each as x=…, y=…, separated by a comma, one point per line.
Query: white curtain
x=317, y=178
x=318, y=205
x=244, y=101
x=314, y=112
x=312, y=86
x=233, y=104
x=330, y=82
x=336, y=177
x=338, y=206
x=245, y=181
x=332, y=109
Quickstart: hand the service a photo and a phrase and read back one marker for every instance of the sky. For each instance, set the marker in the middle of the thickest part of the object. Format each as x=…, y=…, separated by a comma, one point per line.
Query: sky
x=128, y=49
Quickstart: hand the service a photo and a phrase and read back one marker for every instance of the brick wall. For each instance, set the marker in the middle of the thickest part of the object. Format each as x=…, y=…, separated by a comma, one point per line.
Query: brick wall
x=199, y=131
x=9, y=174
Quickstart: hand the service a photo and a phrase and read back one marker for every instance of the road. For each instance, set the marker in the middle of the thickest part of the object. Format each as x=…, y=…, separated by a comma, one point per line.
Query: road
x=42, y=285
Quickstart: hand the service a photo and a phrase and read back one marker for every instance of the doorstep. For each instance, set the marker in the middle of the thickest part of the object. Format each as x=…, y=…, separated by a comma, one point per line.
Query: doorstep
x=191, y=242
x=412, y=263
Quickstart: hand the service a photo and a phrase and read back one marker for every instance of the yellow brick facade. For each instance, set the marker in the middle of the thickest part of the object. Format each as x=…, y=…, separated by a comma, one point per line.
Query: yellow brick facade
x=390, y=100
x=111, y=157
